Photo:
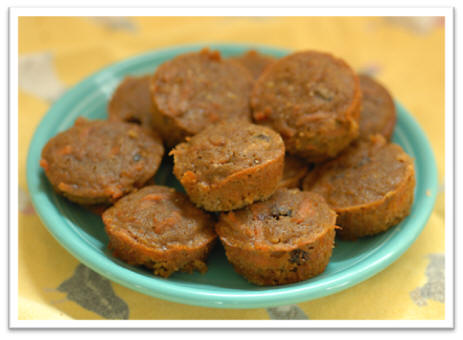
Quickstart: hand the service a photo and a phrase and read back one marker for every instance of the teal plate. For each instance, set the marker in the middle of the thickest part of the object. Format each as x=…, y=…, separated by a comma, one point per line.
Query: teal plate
x=82, y=233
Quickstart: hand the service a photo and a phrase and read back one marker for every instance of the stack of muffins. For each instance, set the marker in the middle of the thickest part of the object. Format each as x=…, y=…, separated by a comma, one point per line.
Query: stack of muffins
x=246, y=134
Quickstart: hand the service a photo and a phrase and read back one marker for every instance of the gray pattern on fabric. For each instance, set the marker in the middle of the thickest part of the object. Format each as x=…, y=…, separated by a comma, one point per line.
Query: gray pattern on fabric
x=116, y=23
x=434, y=288
x=95, y=293
x=289, y=312
x=37, y=76
x=24, y=202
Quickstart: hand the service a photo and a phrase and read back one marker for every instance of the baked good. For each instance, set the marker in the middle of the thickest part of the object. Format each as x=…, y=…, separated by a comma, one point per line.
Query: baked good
x=293, y=173
x=254, y=62
x=97, y=162
x=160, y=229
x=370, y=186
x=313, y=100
x=287, y=238
x=194, y=90
x=378, y=114
x=229, y=165
x=131, y=102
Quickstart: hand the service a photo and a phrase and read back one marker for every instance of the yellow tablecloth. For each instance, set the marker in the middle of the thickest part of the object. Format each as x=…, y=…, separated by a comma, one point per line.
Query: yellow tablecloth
x=406, y=54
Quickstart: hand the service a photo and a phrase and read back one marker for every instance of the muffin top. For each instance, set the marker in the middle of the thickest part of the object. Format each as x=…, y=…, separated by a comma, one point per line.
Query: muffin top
x=200, y=88
x=305, y=89
x=378, y=114
x=101, y=160
x=225, y=149
x=131, y=102
x=294, y=171
x=287, y=218
x=254, y=62
x=160, y=217
x=364, y=173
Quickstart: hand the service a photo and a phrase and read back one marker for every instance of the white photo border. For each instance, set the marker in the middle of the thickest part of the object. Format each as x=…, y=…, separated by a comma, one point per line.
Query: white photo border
x=446, y=12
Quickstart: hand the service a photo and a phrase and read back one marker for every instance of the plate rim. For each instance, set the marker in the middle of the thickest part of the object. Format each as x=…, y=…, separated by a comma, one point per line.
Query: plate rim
x=176, y=292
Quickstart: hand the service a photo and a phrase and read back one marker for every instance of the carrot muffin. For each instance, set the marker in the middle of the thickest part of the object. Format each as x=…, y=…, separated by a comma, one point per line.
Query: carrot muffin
x=97, y=162
x=370, y=186
x=293, y=173
x=378, y=114
x=313, y=100
x=194, y=90
x=131, y=102
x=160, y=229
x=229, y=165
x=254, y=62
x=287, y=238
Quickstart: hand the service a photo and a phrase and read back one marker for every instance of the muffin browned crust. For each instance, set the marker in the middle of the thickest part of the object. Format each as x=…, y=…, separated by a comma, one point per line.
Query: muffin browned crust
x=370, y=186
x=97, y=162
x=131, y=102
x=293, y=173
x=313, y=100
x=194, y=90
x=160, y=229
x=230, y=165
x=254, y=62
x=287, y=238
x=378, y=114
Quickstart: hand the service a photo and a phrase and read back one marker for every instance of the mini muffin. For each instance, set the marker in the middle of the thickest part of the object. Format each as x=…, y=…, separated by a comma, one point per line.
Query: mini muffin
x=97, y=209
x=313, y=100
x=370, y=186
x=194, y=90
x=378, y=114
x=160, y=229
x=254, y=62
x=97, y=162
x=230, y=165
x=287, y=238
x=293, y=172
x=131, y=102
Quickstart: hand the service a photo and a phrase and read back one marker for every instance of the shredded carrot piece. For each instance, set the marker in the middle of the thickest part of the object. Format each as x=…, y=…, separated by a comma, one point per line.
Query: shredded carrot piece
x=44, y=164
x=65, y=150
x=115, y=150
x=64, y=187
x=305, y=209
x=260, y=115
x=152, y=197
x=189, y=177
x=231, y=217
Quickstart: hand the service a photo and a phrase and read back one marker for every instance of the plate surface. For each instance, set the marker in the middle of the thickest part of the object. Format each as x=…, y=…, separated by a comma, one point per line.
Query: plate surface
x=82, y=233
